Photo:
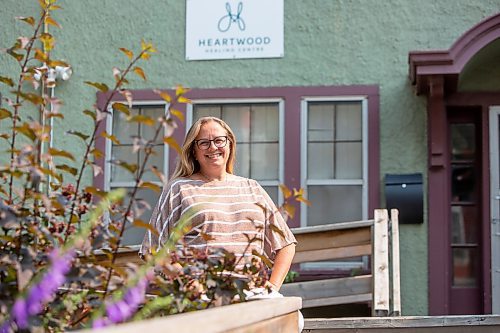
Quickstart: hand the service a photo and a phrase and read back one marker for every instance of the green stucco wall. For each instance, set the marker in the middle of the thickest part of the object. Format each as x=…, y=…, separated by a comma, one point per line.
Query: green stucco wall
x=336, y=42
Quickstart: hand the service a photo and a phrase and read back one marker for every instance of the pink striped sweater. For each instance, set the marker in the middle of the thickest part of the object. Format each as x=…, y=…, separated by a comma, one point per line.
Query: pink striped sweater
x=236, y=214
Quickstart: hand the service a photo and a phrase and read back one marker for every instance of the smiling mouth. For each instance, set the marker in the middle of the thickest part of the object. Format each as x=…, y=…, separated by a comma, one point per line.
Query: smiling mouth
x=213, y=156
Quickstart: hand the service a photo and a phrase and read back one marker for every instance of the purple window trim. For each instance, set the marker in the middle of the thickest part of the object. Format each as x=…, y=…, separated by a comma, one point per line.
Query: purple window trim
x=292, y=97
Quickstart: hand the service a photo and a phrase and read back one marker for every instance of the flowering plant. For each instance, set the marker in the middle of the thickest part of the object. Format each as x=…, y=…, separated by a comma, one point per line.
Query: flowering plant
x=51, y=225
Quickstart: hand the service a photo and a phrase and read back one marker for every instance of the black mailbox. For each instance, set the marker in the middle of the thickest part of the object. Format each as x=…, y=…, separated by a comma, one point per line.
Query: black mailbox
x=404, y=192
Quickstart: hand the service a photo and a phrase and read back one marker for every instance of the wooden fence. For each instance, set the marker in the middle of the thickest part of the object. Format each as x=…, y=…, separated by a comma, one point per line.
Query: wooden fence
x=377, y=238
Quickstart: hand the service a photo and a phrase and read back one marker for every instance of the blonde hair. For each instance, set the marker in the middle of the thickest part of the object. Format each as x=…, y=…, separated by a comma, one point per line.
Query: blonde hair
x=187, y=164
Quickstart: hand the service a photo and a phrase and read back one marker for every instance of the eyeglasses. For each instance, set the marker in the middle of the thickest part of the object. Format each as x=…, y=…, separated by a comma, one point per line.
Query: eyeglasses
x=219, y=142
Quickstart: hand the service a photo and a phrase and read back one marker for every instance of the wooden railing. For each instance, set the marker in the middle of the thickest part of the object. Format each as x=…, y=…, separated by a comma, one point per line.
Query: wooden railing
x=277, y=315
x=377, y=238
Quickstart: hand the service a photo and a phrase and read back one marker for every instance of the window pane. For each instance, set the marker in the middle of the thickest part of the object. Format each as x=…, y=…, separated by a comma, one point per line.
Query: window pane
x=238, y=118
x=320, y=161
x=256, y=126
x=265, y=122
x=122, y=129
x=464, y=226
x=463, y=141
x=122, y=153
x=348, y=121
x=273, y=193
x=134, y=235
x=463, y=181
x=465, y=261
x=320, y=122
x=348, y=160
x=264, y=161
x=200, y=111
x=155, y=159
x=334, y=203
x=242, y=165
x=147, y=132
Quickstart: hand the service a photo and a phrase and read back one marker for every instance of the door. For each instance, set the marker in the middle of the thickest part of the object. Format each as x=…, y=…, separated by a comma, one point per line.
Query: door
x=465, y=205
x=495, y=206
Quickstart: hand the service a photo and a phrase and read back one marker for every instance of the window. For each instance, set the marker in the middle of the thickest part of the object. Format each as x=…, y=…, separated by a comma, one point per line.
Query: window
x=334, y=166
x=256, y=125
x=118, y=177
x=324, y=139
x=334, y=170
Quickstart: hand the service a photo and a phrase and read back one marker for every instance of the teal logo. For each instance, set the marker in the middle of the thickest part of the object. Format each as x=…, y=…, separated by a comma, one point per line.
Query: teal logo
x=227, y=20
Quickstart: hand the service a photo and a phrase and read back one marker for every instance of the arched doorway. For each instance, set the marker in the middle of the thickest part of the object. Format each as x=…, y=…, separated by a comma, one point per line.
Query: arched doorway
x=462, y=85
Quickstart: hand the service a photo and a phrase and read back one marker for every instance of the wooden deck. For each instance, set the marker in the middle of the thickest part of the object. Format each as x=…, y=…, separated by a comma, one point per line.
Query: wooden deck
x=405, y=324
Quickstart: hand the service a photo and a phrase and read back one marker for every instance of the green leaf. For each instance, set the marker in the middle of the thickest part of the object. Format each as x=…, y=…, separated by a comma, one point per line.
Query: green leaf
x=139, y=71
x=95, y=191
x=48, y=172
x=90, y=114
x=31, y=97
x=50, y=21
x=289, y=209
x=264, y=259
x=7, y=80
x=172, y=143
x=180, y=90
x=100, y=86
x=164, y=95
x=111, y=137
x=97, y=153
x=26, y=131
x=30, y=20
x=67, y=168
x=142, y=119
x=121, y=107
x=178, y=114
x=132, y=168
x=47, y=41
x=18, y=56
x=61, y=153
x=285, y=190
x=151, y=186
x=84, y=137
x=127, y=52
x=54, y=63
x=41, y=56
x=184, y=100
x=4, y=113
x=147, y=46
x=141, y=224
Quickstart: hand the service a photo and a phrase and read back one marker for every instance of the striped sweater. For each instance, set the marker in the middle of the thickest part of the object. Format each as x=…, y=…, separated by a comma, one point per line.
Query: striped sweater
x=236, y=214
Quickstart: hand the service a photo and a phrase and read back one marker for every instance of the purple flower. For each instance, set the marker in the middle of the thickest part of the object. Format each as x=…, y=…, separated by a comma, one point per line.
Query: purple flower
x=5, y=327
x=44, y=290
x=123, y=309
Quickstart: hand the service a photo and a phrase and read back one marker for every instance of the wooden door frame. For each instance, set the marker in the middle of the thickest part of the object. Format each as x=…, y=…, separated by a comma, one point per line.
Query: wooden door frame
x=494, y=118
x=435, y=74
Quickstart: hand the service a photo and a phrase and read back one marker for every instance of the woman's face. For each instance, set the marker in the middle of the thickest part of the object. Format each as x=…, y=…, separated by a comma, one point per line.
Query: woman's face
x=213, y=157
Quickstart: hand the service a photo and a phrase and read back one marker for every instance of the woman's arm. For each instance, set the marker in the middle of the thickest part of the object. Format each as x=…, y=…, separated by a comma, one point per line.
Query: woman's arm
x=282, y=264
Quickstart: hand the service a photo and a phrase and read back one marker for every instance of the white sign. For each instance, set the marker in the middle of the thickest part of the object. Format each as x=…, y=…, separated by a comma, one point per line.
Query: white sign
x=234, y=29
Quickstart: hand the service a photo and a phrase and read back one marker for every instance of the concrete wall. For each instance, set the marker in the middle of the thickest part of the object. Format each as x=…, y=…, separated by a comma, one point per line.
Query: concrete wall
x=338, y=42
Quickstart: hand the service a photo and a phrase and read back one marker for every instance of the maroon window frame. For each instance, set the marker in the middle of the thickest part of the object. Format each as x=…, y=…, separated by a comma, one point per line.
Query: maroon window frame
x=292, y=97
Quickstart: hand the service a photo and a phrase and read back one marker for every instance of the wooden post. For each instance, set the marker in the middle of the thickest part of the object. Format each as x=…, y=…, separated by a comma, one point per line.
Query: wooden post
x=380, y=264
x=396, y=291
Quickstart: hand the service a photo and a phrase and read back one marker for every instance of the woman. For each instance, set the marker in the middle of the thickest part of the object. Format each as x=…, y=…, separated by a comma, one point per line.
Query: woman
x=230, y=212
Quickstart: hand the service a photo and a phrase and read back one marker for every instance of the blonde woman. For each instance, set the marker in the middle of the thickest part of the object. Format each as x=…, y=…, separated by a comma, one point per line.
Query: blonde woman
x=228, y=208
